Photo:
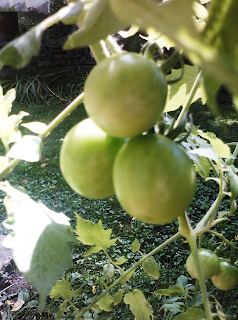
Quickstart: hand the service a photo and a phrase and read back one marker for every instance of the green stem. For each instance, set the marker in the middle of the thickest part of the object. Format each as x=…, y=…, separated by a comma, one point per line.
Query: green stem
x=223, y=239
x=189, y=99
x=206, y=222
x=137, y=264
x=113, y=45
x=67, y=111
x=53, y=124
x=186, y=230
x=113, y=263
x=99, y=51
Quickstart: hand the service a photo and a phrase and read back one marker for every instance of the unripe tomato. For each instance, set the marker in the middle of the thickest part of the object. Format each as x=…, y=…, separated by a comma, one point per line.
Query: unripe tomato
x=125, y=94
x=209, y=262
x=154, y=179
x=86, y=160
x=227, y=276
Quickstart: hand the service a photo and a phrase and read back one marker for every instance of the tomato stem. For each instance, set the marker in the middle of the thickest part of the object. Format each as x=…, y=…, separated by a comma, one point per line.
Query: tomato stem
x=189, y=99
x=186, y=230
x=99, y=51
x=137, y=264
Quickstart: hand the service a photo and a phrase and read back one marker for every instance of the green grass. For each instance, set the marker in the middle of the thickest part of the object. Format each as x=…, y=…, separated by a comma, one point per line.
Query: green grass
x=44, y=182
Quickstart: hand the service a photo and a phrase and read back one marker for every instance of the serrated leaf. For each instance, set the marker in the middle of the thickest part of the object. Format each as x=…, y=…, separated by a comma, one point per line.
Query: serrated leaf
x=135, y=246
x=233, y=178
x=182, y=281
x=170, y=292
x=150, y=266
x=139, y=306
x=29, y=148
x=218, y=145
x=192, y=314
x=40, y=241
x=117, y=297
x=179, y=91
x=106, y=303
x=99, y=22
x=35, y=126
x=92, y=234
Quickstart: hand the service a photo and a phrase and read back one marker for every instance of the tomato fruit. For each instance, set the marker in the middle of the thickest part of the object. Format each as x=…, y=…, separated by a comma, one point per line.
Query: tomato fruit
x=227, y=276
x=209, y=262
x=154, y=179
x=125, y=94
x=86, y=160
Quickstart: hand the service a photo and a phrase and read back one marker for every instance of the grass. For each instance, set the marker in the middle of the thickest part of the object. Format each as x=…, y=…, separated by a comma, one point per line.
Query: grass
x=44, y=182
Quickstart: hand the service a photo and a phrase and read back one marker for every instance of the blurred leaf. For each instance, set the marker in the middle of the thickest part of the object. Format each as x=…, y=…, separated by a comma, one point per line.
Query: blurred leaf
x=129, y=33
x=35, y=126
x=62, y=288
x=182, y=281
x=150, y=266
x=106, y=303
x=17, y=305
x=233, y=178
x=206, y=152
x=61, y=310
x=4, y=162
x=202, y=167
x=121, y=260
x=99, y=22
x=40, y=241
x=29, y=148
x=179, y=91
x=210, y=86
x=218, y=145
x=192, y=314
x=135, y=246
x=128, y=276
x=93, y=234
x=117, y=297
x=139, y=306
x=171, y=291
x=72, y=13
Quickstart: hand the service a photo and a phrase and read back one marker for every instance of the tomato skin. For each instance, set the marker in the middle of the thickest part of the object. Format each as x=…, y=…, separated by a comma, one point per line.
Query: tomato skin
x=154, y=179
x=86, y=160
x=209, y=263
x=227, y=277
x=125, y=94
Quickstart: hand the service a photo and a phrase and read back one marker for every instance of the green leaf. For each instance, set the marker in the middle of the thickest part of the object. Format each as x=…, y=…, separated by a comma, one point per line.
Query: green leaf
x=210, y=87
x=218, y=145
x=99, y=22
x=117, y=297
x=139, y=306
x=135, y=246
x=106, y=303
x=233, y=178
x=192, y=314
x=62, y=288
x=150, y=266
x=40, y=241
x=205, y=152
x=61, y=310
x=128, y=276
x=182, y=281
x=121, y=260
x=28, y=148
x=93, y=234
x=179, y=91
x=171, y=291
x=202, y=167
x=174, y=20
x=35, y=126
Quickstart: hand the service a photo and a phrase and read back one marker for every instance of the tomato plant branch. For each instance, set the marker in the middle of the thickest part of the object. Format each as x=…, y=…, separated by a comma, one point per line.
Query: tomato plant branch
x=113, y=263
x=137, y=264
x=186, y=231
x=113, y=45
x=99, y=51
x=189, y=99
x=223, y=239
x=206, y=222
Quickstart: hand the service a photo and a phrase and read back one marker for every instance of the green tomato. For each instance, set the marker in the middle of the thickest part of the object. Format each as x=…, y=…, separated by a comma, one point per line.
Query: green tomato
x=209, y=262
x=154, y=179
x=86, y=160
x=125, y=94
x=227, y=276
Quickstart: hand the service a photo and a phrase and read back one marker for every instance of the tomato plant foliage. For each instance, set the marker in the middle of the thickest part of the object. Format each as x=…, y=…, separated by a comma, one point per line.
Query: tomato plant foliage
x=134, y=146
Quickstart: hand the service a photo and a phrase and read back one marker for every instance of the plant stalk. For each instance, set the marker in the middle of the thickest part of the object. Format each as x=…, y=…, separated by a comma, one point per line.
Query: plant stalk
x=137, y=264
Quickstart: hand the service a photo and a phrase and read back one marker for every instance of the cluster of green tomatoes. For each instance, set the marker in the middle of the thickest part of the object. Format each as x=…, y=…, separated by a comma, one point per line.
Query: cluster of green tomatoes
x=222, y=273
x=115, y=151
